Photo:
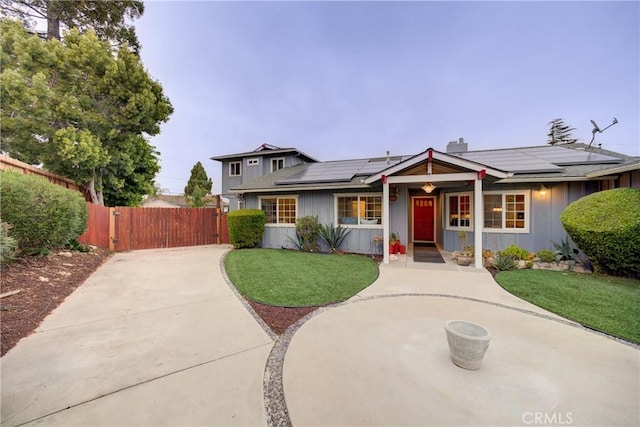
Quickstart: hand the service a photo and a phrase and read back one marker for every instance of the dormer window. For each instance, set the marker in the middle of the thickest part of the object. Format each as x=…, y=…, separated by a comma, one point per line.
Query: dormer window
x=235, y=169
x=277, y=164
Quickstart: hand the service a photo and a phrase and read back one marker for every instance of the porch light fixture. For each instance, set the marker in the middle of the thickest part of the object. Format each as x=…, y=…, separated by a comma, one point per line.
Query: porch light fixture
x=428, y=187
x=543, y=190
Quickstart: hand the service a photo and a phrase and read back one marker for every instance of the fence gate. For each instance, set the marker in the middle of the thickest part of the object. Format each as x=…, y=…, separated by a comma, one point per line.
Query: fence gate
x=124, y=229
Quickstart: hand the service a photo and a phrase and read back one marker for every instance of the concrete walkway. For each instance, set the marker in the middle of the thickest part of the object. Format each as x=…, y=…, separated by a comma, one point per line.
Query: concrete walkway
x=154, y=337
x=159, y=338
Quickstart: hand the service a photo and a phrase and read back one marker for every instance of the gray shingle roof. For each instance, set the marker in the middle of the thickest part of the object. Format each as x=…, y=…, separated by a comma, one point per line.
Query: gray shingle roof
x=539, y=163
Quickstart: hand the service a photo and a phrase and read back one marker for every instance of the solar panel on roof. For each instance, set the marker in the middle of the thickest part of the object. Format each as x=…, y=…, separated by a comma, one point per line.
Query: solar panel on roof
x=338, y=171
x=538, y=159
x=320, y=172
x=512, y=160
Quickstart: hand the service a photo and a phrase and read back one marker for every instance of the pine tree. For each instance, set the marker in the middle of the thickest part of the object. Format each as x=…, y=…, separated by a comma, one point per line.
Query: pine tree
x=198, y=186
x=110, y=20
x=560, y=133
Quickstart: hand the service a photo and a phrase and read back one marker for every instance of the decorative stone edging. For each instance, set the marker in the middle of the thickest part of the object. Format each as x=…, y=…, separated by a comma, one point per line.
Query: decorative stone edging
x=273, y=387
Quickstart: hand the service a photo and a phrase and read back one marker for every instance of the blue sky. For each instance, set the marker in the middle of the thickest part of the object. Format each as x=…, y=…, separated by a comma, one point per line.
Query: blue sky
x=342, y=80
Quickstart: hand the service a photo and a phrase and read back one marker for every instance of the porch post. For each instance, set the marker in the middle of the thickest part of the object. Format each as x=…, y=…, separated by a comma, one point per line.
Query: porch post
x=478, y=208
x=385, y=220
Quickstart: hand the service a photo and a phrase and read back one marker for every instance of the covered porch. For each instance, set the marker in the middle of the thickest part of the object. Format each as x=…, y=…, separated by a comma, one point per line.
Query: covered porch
x=419, y=177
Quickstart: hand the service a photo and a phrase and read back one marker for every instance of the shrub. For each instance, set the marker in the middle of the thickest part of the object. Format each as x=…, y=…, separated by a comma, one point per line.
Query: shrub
x=504, y=262
x=246, y=227
x=42, y=215
x=606, y=227
x=334, y=236
x=516, y=252
x=8, y=245
x=546, y=255
x=307, y=233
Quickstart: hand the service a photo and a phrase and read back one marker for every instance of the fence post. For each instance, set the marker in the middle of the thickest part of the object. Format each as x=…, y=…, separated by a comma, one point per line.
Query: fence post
x=112, y=229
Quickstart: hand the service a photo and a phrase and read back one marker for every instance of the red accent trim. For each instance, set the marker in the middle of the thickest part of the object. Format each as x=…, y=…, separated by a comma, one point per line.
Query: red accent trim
x=482, y=174
x=430, y=154
x=384, y=179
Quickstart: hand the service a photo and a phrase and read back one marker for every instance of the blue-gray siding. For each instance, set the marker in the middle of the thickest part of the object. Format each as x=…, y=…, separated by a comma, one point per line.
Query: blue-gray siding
x=545, y=226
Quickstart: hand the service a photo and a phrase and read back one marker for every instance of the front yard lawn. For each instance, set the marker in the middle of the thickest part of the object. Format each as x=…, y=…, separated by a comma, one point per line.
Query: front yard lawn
x=298, y=279
x=610, y=304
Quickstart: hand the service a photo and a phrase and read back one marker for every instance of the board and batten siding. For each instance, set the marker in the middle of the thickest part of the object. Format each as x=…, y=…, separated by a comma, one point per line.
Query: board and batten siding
x=322, y=205
x=545, y=227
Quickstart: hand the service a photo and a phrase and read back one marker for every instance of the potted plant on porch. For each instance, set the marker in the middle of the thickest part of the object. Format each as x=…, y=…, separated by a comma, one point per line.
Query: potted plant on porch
x=465, y=255
x=394, y=243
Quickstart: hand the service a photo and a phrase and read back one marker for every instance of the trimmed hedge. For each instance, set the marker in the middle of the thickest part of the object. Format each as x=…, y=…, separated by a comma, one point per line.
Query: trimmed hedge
x=42, y=215
x=606, y=227
x=246, y=227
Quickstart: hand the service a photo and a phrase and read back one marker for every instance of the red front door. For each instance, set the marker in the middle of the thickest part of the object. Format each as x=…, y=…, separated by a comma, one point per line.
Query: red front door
x=424, y=219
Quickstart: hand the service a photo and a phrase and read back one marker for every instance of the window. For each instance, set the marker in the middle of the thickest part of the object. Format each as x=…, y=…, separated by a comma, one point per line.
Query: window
x=253, y=162
x=235, y=168
x=507, y=211
x=358, y=209
x=277, y=164
x=459, y=211
x=279, y=210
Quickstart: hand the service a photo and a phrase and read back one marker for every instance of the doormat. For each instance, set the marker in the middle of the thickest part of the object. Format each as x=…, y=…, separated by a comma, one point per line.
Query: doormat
x=427, y=254
x=424, y=245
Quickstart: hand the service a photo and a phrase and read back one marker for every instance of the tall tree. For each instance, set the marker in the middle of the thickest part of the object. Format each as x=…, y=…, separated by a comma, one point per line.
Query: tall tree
x=108, y=19
x=82, y=111
x=198, y=186
x=560, y=133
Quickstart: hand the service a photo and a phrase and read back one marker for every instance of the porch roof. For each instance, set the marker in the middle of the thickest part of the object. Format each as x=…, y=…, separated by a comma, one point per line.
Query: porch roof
x=441, y=157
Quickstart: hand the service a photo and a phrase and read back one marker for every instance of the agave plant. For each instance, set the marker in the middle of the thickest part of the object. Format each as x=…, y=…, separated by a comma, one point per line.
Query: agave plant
x=504, y=262
x=333, y=236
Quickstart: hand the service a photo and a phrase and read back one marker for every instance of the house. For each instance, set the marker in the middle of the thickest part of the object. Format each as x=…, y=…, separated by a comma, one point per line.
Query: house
x=175, y=201
x=514, y=196
x=242, y=168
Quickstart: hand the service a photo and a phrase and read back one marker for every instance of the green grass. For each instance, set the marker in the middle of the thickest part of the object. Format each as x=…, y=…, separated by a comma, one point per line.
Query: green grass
x=610, y=304
x=298, y=279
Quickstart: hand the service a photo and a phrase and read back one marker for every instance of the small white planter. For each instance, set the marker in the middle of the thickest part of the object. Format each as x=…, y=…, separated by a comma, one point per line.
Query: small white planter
x=468, y=342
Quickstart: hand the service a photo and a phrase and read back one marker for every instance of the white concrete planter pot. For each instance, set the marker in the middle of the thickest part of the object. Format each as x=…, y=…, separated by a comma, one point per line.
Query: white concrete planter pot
x=468, y=342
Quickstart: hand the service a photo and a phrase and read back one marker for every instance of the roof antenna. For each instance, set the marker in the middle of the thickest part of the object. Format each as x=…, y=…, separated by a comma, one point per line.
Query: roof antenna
x=597, y=129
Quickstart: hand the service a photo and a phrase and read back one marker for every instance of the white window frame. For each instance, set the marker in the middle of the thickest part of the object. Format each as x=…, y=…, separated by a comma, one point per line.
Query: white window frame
x=254, y=161
x=231, y=164
x=336, y=196
x=277, y=159
x=527, y=212
x=447, y=215
x=278, y=198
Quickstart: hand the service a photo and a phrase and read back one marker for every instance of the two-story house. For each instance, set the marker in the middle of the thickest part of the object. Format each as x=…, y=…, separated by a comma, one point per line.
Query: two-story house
x=243, y=168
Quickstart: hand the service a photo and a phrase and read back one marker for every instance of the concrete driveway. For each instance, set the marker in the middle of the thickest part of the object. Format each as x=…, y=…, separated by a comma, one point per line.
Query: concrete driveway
x=158, y=338
x=154, y=337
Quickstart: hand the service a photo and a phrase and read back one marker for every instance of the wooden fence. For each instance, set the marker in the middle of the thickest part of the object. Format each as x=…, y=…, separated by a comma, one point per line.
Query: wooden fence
x=125, y=229
x=11, y=164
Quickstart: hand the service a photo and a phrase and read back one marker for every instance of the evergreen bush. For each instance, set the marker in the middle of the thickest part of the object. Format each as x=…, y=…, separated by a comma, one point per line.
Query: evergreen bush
x=606, y=227
x=546, y=255
x=516, y=252
x=246, y=227
x=42, y=215
x=8, y=245
x=307, y=233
